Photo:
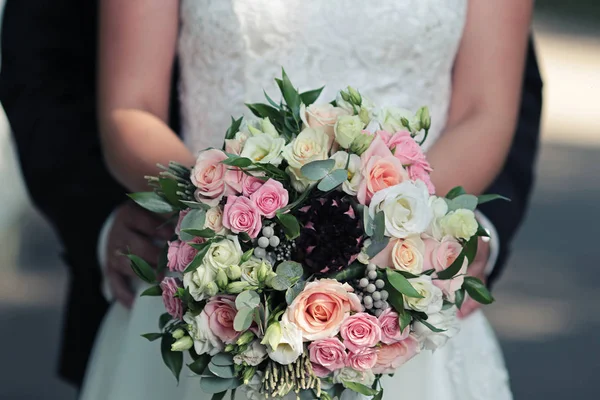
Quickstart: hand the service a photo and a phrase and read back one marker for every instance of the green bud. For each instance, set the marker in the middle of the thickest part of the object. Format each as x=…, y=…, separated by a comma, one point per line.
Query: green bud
x=361, y=143
x=183, y=344
x=346, y=96
x=268, y=128
x=272, y=336
x=355, y=96
x=234, y=272
x=405, y=123
x=269, y=279
x=245, y=338
x=221, y=279
x=178, y=334
x=236, y=287
x=248, y=374
x=425, y=118
x=263, y=272
x=364, y=116
x=325, y=395
x=211, y=289
x=229, y=348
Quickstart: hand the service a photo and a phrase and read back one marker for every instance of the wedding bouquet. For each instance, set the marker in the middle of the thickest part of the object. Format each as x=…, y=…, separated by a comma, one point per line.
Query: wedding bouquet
x=310, y=255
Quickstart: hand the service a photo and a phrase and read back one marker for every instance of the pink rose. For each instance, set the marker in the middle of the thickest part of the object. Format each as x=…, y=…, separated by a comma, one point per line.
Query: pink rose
x=320, y=371
x=181, y=254
x=241, y=215
x=321, y=307
x=221, y=312
x=405, y=148
x=391, y=356
x=379, y=170
x=251, y=184
x=214, y=179
x=441, y=255
x=173, y=305
x=418, y=172
x=270, y=197
x=385, y=136
x=363, y=359
x=182, y=215
x=360, y=330
x=329, y=354
x=390, y=327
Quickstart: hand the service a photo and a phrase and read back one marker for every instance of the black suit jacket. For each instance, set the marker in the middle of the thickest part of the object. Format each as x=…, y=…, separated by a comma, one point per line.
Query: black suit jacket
x=47, y=88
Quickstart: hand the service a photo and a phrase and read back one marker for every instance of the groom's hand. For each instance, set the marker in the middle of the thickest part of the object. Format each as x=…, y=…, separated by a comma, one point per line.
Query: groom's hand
x=134, y=230
x=476, y=269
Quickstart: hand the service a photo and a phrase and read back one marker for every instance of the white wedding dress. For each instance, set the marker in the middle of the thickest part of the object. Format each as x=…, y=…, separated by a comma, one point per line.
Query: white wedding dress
x=397, y=52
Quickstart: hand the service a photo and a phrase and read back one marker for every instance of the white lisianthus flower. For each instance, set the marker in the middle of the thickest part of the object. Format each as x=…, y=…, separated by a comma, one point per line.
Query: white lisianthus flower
x=390, y=119
x=290, y=345
x=224, y=253
x=310, y=145
x=440, y=209
x=460, y=223
x=354, y=176
x=446, y=320
x=348, y=374
x=204, y=340
x=432, y=298
x=406, y=208
x=254, y=354
x=201, y=282
x=251, y=270
x=264, y=149
x=347, y=128
x=262, y=127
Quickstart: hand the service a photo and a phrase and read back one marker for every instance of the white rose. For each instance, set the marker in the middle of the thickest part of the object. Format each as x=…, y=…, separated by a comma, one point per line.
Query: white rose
x=201, y=282
x=432, y=297
x=348, y=374
x=204, y=340
x=254, y=354
x=406, y=208
x=290, y=345
x=408, y=254
x=214, y=220
x=321, y=116
x=460, y=223
x=354, y=176
x=347, y=128
x=310, y=145
x=223, y=253
x=440, y=208
x=445, y=319
x=263, y=149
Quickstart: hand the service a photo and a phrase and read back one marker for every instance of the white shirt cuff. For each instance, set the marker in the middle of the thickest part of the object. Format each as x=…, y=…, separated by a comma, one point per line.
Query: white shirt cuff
x=493, y=241
x=101, y=254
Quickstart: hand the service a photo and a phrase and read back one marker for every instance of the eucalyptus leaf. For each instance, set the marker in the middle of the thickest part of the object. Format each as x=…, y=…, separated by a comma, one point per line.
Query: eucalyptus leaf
x=453, y=269
x=316, y=170
x=292, y=292
x=243, y=319
x=360, y=388
x=379, y=226
x=213, y=384
x=247, y=299
x=377, y=246
x=485, y=198
x=151, y=201
x=152, y=336
x=455, y=192
x=280, y=283
x=142, y=268
x=333, y=180
x=222, y=371
x=172, y=359
x=477, y=290
x=200, y=364
x=467, y=201
x=401, y=284
x=194, y=219
x=222, y=359
x=368, y=223
x=311, y=96
x=152, y=291
x=290, y=269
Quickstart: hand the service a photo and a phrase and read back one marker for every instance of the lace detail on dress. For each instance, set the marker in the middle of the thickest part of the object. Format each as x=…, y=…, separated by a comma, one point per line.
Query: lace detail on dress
x=396, y=52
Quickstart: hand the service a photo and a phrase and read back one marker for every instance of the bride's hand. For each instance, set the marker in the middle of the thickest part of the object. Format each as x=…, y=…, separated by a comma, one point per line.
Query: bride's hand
x=476, y=269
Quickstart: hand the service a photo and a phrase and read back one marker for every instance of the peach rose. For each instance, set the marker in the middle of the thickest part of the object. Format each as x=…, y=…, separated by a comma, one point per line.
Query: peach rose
x=402, y=255
x=328, y=354
x=391, y=356
x=360, y=330
x=363, y=359
x=221, y=312
x=214, y=179
x=322, y=115
x=321, y=308
x=270, y=197
x=390, y=327
x=379, y=170
x=241, y=215
x=439, y=255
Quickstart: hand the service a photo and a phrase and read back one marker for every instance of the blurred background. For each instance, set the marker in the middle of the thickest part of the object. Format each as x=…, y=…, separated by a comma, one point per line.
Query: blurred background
x=546, y=314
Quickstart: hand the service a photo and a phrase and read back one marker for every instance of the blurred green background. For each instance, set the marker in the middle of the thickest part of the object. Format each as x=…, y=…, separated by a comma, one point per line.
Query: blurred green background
x=546, y=314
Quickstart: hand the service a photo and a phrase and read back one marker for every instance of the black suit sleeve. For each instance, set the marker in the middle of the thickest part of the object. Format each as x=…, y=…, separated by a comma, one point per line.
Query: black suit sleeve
x=516, y=179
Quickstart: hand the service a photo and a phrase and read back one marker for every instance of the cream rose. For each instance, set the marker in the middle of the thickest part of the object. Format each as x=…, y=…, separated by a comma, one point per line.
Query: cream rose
x=310, y=145
x=432, y=298
x=214, y=220
x=223, y=253
x=354, y=177
x=347, y=128
x=321, y=116
x=201, y=282
x=264, y=149
x=460, y=223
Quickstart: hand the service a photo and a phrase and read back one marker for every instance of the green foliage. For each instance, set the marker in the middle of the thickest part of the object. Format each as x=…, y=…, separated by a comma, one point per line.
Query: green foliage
x=360, y=388
x=194, y=219
x=453, y=269
x=172, y=359
x=311, y=96
x=477, y=290
x=152, y=291
x=455, y=192
x=401, y=284
x=290, y=225
x=151, y=201
x=152, y=336
x=485, y=198
x=316, y=170
x=467, y=201
x=333, y=180
x=142, y=269
x=200, y=364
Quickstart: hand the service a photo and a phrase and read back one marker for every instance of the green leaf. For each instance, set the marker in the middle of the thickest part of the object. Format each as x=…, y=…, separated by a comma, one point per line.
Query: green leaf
x=247, y=255
x=204, y=233
x=243, y=319
x=290, y=94
x=219, y=396
x=333, y=180
x=222, y=359
x=293, y=291
x=401, y=284
x=265, y=111
x=377, y=246
x=379, y=226
x=379, y=395
x=477, y=290
x=194, y=219
x=467, y=201
x=152, y=336
x=170, y=188
x=247, y=299
x=200, y=364
x=395, y=299
x=271, y=101
x=353, y=271
x=453, y=269
x=152, y=291
x=316, y=170
x=290, y=225
x=161, y=264
x=290, y=269
x=459, y=297
x=427, y=324
x=481, y=231
x=151, y=201
x=470, y=248
x=222, y=371
x=172, y=359
x=142, y=268
x=197, y=261
x=281, y=283
x=485, y=198
x=455, y=192
x=236, y=161
x=359, y=388
x=311, y=96
x=404, y=319
x=163, y=320
x=233, y=128
x=368, y=222
x=196, y=205
x=213, y=384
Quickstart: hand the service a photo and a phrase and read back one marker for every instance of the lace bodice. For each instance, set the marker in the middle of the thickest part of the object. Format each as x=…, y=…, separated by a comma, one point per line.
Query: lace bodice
x=395, y=52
